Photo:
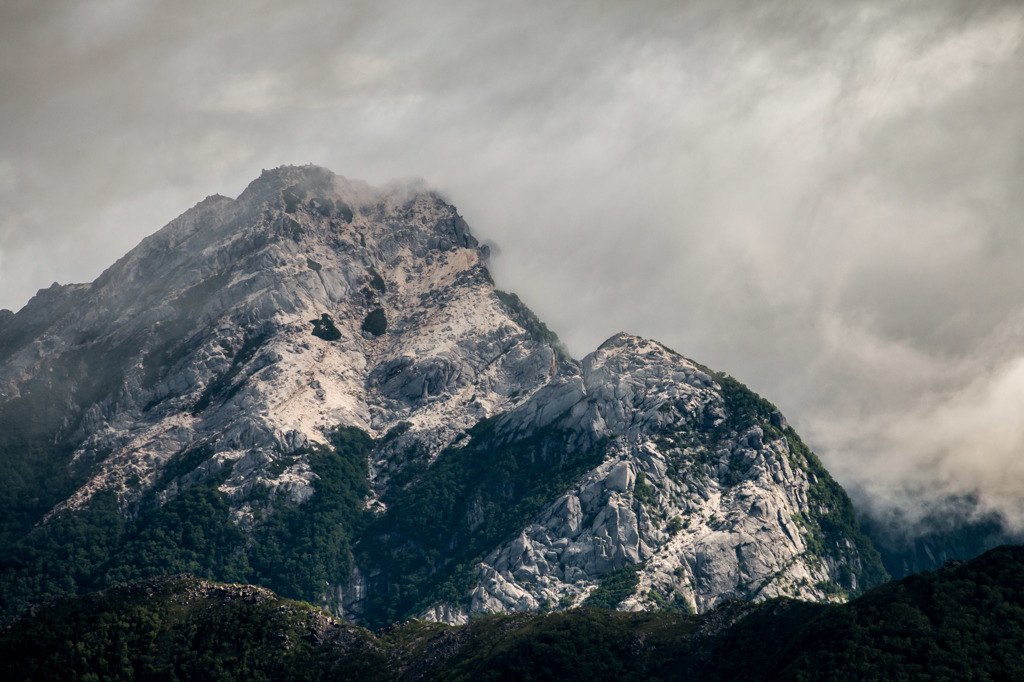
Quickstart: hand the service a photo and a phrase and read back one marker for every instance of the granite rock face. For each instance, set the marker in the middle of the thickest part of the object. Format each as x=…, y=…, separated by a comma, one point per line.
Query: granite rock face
x=208, y=326
x=247, y=328
x=710, y=513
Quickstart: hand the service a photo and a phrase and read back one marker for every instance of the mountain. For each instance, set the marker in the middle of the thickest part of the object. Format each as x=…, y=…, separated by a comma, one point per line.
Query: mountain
x=963, y=622
x=956, y=528
x=316, y=387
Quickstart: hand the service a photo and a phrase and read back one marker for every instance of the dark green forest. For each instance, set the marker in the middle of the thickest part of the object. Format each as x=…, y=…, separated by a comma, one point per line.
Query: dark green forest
x=964, y=622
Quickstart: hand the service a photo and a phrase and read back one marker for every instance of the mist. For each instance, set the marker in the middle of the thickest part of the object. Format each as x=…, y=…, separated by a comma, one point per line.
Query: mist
x=823, y=199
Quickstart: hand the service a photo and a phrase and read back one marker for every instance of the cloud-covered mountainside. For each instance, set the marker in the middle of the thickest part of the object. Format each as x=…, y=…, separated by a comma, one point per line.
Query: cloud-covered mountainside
x=811, y=194
x=316, y=387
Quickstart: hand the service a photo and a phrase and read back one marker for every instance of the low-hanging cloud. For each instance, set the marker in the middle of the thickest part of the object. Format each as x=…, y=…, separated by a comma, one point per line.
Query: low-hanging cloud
x=821, y=198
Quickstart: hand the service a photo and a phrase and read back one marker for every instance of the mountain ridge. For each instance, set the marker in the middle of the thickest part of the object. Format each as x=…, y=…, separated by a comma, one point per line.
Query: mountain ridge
x=317, y=329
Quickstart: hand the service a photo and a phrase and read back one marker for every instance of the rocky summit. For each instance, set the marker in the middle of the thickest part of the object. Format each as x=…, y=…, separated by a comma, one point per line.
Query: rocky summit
x=320, y=379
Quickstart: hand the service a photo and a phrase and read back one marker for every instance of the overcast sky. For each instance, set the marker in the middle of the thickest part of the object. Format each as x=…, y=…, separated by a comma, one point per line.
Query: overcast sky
x=823, y=199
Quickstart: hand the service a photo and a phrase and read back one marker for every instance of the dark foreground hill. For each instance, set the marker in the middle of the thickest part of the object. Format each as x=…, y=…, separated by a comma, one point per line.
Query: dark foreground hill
x=965, y=622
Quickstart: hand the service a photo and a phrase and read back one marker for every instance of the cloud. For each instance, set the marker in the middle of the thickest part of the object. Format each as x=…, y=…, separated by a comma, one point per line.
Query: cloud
x=962, y=443
x=821, y=198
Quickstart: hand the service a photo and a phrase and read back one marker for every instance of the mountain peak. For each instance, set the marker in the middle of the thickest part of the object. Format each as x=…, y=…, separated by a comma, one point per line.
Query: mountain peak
x=322, y=350
x=632, y=342
x=259, y=323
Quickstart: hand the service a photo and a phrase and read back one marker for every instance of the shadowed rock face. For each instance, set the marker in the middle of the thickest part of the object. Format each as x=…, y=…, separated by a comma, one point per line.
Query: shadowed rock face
x=201, y=340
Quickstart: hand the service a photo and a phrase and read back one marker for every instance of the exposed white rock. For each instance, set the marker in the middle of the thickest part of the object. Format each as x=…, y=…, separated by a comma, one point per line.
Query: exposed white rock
x=712, y=531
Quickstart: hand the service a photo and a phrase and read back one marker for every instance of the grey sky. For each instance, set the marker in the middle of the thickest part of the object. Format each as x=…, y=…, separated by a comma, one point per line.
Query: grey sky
x=822, y=198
